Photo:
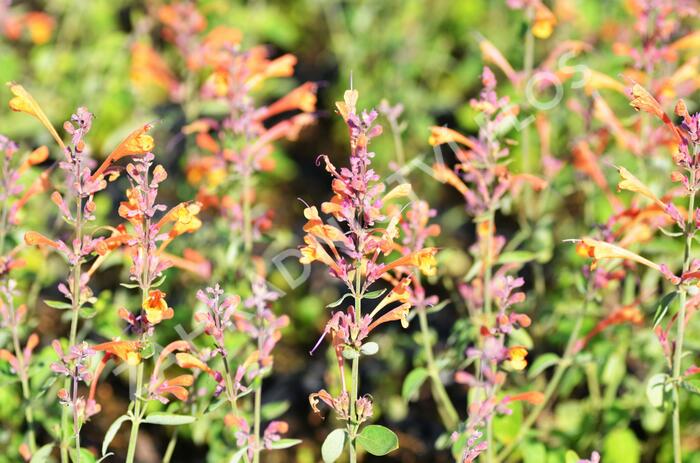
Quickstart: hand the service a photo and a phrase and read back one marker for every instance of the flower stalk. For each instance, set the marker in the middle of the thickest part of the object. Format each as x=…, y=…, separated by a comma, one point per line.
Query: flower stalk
x=681, y=321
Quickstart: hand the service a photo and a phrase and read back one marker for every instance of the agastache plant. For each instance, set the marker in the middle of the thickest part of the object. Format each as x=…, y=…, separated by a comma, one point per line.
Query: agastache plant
x=686, y=173
x=153, y=228
x=80, y=187
x=359, y=252
x=262, y=326
x=490, y=292
x=234, y=146
x=13, y=167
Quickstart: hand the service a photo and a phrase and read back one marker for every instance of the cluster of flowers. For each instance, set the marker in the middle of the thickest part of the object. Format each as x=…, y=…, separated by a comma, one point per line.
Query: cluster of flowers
x=359, y=247
x=483, y=178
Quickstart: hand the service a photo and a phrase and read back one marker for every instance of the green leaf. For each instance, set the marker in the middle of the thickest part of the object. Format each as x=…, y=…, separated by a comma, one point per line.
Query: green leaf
x=690, y=387
x=437, y=307
x=571, y=457
x=88, y=312
x=112, y=431
x=61, y=305
x=350, y=353
x=541, y=363
x=662, y=307
x=273, y=410
x=414, y=380
x=42, y=455
x=369, y=348
x=621, y=446
x=332, y=447
x=85, y=456
x=168, y=419
x=129, y=285
x=535, y=453
x=285, y=443
x=378, y=440
x=238, y=456
x=516, y=257
x=374, y=294
x=657, y=389
x=339, y=301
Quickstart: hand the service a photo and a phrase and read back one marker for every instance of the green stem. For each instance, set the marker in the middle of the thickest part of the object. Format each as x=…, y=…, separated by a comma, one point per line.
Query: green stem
x=559, y=372
x=446, y=410
x=231, y=397
x=26, y=395
x=355, y=384
x=678, y=350
x=488, y=265
x=256, y=418
x=247, y=220
x=171, y=447
x=75, y=315
x=137, y=415
x=528, y=64
x=398, y=143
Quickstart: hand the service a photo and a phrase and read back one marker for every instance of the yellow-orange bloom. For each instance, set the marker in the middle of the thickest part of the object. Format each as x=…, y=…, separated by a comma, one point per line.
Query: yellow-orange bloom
x=603, y=250
x=24, y=102
x=37, y=156
x=40, y=26
x=491, y=54
x=440, y=135
x=532, y=397
x=446, y=175
x=127, y=351
x=302, y=98
x=516, y=356
x=544, y=21
x=156, y=307
x=33, y=238
x=136, y=143
x=631, y=183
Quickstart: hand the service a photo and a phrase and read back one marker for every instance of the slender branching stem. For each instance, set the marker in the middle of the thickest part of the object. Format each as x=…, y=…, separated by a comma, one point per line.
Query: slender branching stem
x=355, y=382
x=680, y=333
x=171, y=447
x=559, y=371
x=446, y=410
x=75, y=314
x=257, y=405
x=24, y=379
x=137, y=415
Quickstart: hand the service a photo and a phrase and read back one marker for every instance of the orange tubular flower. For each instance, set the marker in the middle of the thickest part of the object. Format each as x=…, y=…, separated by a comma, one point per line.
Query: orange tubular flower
x=192, y=261
x=446, y=175
x=148, y=69
x=627, y=314
x=491, y=54
x=314, y=251
x=644, y=101
x=544, y=21
x=399, y=313
x=137, y=143
x=37, y=156
x=127, y=351
x=40, y=26
x=24, y=102
x=532, y=397
x=424, y=260
x=599, y=250
x=185, y=219
x=156, y=308
x=302, y=98
x=517, y=355
x=33, y=238
x=442, y=135
x=190, y=362
x=631, y=183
